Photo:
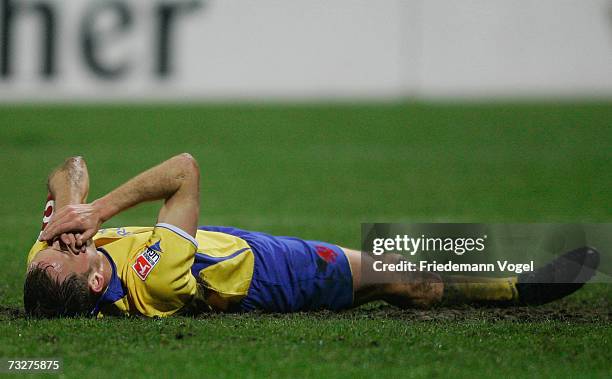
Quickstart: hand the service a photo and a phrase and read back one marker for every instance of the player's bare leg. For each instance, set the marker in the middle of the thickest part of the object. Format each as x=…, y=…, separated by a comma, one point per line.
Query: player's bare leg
x=402, y=289
x=561, y=277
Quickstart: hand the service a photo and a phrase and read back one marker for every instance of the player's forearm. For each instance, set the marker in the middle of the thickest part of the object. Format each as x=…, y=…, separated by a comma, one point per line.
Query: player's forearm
x=69, y=183
x=157, y=183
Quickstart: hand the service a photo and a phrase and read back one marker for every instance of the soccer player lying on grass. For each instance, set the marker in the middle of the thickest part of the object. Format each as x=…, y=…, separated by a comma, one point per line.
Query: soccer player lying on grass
x=177, y=267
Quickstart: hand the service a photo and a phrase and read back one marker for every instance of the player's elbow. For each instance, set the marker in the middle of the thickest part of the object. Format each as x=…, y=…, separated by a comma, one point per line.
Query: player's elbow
x=75, y=162
x=75, y=159
x=189, y=165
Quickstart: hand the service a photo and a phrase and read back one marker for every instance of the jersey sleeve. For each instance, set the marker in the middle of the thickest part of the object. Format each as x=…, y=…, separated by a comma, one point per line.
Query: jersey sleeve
x=160, y=272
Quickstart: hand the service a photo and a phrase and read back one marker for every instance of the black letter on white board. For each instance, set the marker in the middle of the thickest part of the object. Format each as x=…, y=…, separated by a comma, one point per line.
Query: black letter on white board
x=166, y=14
x=93, y=39
x=10, y=9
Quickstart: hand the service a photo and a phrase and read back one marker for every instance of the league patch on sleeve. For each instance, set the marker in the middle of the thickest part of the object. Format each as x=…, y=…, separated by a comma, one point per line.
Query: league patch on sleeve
x=146, y=261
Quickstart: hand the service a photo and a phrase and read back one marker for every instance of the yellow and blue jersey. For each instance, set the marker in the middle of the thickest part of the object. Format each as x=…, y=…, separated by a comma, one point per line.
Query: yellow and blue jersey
x=155, y=270
x=291, y=274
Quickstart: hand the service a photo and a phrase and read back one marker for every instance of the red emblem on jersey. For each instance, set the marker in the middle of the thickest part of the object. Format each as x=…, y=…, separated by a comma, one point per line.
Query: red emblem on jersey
x=146, y=261
x=327, y=254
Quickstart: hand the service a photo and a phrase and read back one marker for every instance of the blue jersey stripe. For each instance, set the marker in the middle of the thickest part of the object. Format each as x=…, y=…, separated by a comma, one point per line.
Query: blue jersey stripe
x=202, y=260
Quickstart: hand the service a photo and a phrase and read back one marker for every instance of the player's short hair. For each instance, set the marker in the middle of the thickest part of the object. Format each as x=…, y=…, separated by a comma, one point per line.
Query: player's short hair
x=46, y=297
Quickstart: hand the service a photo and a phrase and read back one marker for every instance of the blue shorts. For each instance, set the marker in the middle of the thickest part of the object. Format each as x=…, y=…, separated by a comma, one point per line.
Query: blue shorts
x=292, y=275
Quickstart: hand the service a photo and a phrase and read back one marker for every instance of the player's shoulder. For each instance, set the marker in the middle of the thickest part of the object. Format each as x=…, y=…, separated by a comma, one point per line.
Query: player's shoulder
x=163, y=260
x=165, y=229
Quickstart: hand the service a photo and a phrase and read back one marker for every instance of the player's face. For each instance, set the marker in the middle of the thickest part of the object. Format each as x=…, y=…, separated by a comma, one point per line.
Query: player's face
x=63, y=261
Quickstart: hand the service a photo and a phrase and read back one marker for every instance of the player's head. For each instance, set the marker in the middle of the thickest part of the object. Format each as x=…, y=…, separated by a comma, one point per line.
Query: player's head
x=63, y=282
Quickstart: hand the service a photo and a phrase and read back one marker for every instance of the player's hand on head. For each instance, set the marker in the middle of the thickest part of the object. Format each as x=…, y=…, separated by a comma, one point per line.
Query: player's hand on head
x=77, y=221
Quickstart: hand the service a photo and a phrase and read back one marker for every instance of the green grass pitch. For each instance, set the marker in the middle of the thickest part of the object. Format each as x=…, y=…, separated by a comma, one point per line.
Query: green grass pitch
x=318, y=171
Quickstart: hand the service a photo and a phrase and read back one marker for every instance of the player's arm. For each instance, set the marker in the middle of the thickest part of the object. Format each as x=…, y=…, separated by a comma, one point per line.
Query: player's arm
x=69, y=184
x=176, y=181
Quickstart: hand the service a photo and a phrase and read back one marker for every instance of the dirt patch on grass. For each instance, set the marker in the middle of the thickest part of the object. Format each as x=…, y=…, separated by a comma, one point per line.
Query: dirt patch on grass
x=598, y=309
x=573, y=312
x=586, y=314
